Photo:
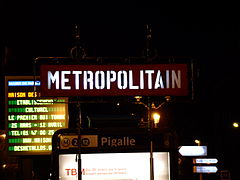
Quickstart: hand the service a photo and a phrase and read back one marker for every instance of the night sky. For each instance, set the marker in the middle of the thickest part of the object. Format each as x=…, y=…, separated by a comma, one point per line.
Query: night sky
x=213, y=41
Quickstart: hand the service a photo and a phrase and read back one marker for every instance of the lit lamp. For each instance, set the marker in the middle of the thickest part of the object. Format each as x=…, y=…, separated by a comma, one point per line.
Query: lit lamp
x=236, y=124
x=197, y=142
x=156, y=118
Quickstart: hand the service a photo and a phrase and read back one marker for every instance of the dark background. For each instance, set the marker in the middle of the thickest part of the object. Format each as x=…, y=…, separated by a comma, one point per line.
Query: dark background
x=119, y=30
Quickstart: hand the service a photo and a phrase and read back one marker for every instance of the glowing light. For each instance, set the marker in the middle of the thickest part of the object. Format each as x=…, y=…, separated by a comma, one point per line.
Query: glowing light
x=236, y=124
x=156, y=118
x=197, y=142
x=3, y=136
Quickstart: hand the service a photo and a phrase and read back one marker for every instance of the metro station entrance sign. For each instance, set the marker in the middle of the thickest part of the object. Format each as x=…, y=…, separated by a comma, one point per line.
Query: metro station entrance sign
x=112, y=154
x=115, y=80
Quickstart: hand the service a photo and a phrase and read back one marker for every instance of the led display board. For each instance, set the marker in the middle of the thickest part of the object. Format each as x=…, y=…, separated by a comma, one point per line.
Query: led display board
x=115, y=166
x=31, y=119
x=115, y=80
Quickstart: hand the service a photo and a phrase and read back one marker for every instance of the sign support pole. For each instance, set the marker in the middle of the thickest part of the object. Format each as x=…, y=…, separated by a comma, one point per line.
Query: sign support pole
x=150, y=127
x=79, y=142
x=150, y=124
x=200, y=175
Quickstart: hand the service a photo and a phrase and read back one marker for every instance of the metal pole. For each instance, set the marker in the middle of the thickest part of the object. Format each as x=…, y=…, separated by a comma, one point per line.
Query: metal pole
x=79, y=143
x=200, y=175
x=151, y=161
x=150, y=126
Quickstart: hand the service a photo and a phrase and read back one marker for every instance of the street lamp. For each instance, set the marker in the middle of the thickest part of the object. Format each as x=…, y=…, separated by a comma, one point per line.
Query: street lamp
x=156, y=118
x=235, y=124
x=198, y=142
x=153, y=121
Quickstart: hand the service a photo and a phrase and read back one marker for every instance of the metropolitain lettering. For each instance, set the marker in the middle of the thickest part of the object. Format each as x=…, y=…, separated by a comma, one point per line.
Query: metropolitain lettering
x=123, y=79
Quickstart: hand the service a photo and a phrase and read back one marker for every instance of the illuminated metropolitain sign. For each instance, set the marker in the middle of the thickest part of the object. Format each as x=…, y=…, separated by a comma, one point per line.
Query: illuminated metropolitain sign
x=114, y=80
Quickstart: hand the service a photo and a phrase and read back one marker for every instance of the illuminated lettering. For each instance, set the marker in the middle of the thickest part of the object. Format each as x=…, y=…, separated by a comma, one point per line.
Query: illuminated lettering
x=61, y=116
x=111, y=77
x=16, y=94
x=24, y=102
x=36, y=109
x=131, y=86
x=32, y=121
x=37, y=140
x=176, y=79
x=159, y=81
x=71, y=172
x=43, y=117
x=20, y=94
x=64, y=80
x=141, y=79
x=33, y=102
x=24, y=133
x=12, y=125
x=32, y=94
x=77, y=78
x=100, y=80
x=33, y=132
x=122, y=80
x=149, y=75
x=42, y=124
x=25, y=125
x=68, y=171
x=29, y=148
x=46, y=140
x=11, y=117
x=55, y=124
x=50, y=132
x=43, y=132
x=27, y=140
x=167, y=79
x=24, y=117
x=88, y=79
x=116, y=142
x=44, y=101
x=14, y=133
x=53, y=79
x=11, y=95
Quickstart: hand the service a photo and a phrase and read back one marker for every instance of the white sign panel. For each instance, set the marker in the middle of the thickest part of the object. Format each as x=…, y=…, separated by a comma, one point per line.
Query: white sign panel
x=205, y=161
x=193, y=150
x=205, y=169
x=115, y=166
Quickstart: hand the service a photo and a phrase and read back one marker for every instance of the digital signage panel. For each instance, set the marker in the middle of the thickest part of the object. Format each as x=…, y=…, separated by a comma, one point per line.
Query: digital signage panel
x=115, y=80
x=31, y=119
x=115, y=166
